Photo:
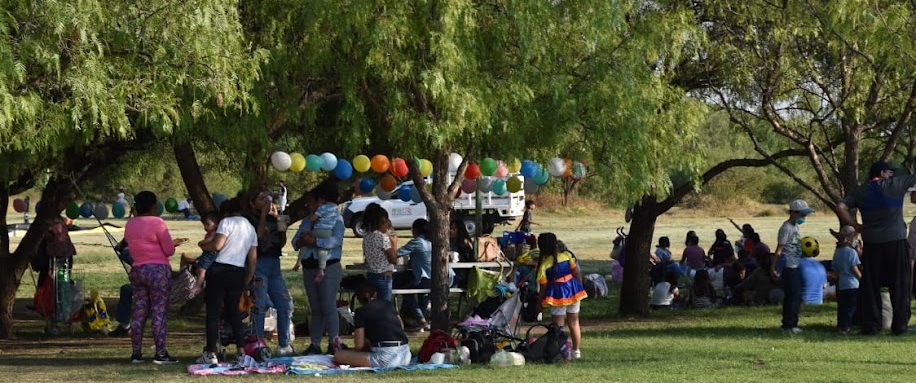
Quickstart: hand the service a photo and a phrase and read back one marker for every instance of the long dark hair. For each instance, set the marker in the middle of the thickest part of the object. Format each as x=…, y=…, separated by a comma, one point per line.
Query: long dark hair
x=547, y=244
x=375, y=216
x=702, y=284
x=145, y=202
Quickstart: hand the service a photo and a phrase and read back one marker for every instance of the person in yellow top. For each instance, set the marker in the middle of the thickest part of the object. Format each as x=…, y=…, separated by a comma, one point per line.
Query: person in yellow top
x=561, y=286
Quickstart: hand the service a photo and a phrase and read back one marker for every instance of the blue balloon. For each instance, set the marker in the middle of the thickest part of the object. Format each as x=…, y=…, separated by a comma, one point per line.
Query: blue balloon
x=218, y=199
x=343, y=170
x=415, y=195
x=404, y=193
x=160, y=208
x=366, y=185
x=86, y=210
x=37, y=207
x=529, y=168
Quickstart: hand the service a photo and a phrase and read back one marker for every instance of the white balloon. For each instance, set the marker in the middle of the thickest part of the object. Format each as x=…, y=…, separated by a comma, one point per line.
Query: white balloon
x=281, y=161
x=556, y=167
x=329, y=161
x=484, y=184
x=454, y=161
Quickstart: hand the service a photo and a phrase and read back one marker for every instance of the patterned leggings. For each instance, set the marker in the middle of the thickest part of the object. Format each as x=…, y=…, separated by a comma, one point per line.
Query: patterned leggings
x=151, y=299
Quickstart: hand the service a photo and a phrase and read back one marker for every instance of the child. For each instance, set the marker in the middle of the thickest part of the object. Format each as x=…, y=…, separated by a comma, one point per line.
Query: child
x=419, y=251
x=789, y=247
x=323, y=220
x=846, y=263
x=702, y=294
x=206, y=259
x=661, y=250
x=665, y=293
x=560, y=287
x=525, y=225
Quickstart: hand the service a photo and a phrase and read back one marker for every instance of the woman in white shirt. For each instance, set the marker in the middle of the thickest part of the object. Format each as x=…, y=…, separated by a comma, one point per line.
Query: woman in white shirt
x=665, y=293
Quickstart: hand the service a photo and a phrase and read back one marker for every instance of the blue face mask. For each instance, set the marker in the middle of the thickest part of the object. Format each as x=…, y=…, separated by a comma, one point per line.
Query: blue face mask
x=799, y=220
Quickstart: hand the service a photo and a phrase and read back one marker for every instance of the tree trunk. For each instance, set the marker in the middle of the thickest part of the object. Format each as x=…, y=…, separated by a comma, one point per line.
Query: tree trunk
x=193, y=178
x=634, y=292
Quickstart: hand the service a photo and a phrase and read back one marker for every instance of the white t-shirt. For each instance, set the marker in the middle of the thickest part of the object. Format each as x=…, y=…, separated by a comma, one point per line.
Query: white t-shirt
x=183, y=204
x=240, y=236
x=661, y=296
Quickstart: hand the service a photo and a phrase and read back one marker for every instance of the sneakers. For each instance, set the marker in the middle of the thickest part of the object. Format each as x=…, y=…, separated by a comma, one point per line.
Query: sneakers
x=576, y=354
x=120, y=332
x=793, y=330
x=136, y=358
x=313, y=349
x=207, y=358
x=164, y=359
x=285, y=351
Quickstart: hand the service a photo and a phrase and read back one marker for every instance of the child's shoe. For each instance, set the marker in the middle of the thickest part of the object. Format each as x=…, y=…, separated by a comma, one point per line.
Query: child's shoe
x=207, y=358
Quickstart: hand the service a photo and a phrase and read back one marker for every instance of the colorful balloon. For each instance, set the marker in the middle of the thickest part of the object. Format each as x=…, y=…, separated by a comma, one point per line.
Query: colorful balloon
x=73, y=210
x=513, y=184
x=328, y=161
x=484, y=184
x=568, y=171
x=298, y=163
x=171, y=205
x=468, y=186
x=501, y=170
x=579, y=170
x=498, y=187
x=19, y=205
x=426, y=167
x=415, y=195
x=488, y=166
x=281, y=161
x=531, y=186
x=388, y=183
x=399, y=167
x=382, y=194
x=404, y=193
x=361, y=163
x=528, y=168
x=514, y=165
x=313, y=163
x=343, y=170
x=366, y=185
x=541, y=178
x=100, y=211
x=160, y=208
x=380, y=163
x=86, y=209
x=118, y=210
x=454, y=161
x=472, y=171
x=556, y=167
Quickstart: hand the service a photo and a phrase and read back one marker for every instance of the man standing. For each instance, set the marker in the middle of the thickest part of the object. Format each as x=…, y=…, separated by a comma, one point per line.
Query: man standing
x=885, y=256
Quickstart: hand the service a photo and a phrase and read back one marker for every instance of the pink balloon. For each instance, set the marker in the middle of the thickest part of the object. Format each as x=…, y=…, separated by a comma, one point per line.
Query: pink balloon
x=501, y=170
x=468, y=185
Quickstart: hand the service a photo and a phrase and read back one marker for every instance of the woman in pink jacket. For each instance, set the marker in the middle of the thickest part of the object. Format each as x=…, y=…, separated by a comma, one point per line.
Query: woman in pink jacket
x=150, y=246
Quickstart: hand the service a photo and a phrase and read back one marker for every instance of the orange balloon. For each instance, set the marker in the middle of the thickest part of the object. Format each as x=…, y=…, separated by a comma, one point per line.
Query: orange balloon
x=568, y=171
x=388, y=183
x=380, y=163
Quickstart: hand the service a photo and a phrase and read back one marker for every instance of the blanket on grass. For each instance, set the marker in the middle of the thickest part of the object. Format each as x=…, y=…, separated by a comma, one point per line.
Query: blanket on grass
x=300, y=365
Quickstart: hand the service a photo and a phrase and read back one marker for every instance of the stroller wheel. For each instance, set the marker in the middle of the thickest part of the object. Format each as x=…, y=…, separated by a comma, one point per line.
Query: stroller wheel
x=54, y=330
x=263, y=354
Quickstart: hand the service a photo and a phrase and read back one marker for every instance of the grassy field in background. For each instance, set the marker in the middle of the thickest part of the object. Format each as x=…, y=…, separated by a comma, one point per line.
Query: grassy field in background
x=733, y=344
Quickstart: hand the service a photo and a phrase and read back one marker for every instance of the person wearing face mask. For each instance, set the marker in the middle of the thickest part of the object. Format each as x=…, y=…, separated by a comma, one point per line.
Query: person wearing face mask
x=885, y=256
x=789, y=246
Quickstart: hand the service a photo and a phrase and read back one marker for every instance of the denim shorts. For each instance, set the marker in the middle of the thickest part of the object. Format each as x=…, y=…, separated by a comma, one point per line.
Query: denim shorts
x=382, y=357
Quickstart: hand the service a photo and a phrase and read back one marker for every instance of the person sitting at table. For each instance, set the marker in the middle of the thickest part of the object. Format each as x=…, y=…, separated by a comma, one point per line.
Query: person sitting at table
x=378, y=334
x=419, y=252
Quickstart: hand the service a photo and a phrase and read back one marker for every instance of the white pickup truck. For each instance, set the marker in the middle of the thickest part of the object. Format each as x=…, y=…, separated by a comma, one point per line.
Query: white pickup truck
x=496, y=210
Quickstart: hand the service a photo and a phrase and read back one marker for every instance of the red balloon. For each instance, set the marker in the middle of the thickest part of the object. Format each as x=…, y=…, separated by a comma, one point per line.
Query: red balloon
x=19, y=205
x=399, y=168
x=472, y=172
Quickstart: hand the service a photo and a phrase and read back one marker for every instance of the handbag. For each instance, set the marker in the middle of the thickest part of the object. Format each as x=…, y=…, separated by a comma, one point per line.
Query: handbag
x=245, y=302
x=482, y=283
x=488, y=250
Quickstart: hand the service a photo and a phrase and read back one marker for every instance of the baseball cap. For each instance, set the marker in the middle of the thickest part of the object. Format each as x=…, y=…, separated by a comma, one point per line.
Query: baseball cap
x=878, y=167
x=800, y=206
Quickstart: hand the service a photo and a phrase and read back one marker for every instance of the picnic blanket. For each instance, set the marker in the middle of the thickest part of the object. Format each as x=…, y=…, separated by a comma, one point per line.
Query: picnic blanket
x=299, y=365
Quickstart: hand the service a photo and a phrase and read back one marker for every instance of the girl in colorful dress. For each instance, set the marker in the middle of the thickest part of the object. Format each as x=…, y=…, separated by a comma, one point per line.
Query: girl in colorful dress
x=560, y=287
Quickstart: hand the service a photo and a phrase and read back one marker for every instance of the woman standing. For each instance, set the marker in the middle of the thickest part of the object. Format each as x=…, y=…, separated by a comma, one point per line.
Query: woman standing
x=321, y=292
x=151, y=246
x=380, y=250
x=560, y=287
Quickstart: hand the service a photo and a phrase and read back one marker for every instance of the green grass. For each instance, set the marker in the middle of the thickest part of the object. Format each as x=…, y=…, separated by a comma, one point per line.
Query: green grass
x=730, y=344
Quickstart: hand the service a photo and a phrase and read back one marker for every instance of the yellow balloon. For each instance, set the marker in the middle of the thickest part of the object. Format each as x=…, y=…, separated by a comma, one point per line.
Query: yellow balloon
x=514, y=165
x=297, y=162
x=513, y=184
x=426, y=167
x=361, y=163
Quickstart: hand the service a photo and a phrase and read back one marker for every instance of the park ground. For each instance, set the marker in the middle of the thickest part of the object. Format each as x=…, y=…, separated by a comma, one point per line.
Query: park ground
x=730, y=344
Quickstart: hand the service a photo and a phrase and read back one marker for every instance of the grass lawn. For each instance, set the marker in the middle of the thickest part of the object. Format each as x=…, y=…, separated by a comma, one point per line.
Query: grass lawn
x=731, y=344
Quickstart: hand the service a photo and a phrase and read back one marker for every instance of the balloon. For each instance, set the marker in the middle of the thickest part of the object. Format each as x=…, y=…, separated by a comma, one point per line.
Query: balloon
x=501, y=170
x=328, y=161
x=101, y=211
x=19, y=205
x=380, y=163
x=556, y=167
x=73, y=210
x=426, y=168
x=281, y=161
x=579, y=170
x=498, y=187
x=468, y=185
x=366, y=185
x=37, y=207
x=487, y=166
x=472, y=171
x=361, y=163
x=382, y=194
x=343, y=170
x=298, y=163
x=528, y=168
x=160, y=208
x=171, y=205
x=531, y=186
x=388, y=183
x=541, y=178
x=404, y=193
x=454, y=161
x=399, y=167
x=118, y=210
x=86, y=210
x=514, y=165
x=218, y=199
x=513, y=184
x=313, y=163
x=484, y=184
x=415, y=195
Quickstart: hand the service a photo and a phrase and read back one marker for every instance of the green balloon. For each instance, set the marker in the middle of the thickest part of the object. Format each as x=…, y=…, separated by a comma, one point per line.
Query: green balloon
x=117, y=210
x=313, y=163
x=171, y=205
x=487, y=166
x=160, y=208
x=73, y=210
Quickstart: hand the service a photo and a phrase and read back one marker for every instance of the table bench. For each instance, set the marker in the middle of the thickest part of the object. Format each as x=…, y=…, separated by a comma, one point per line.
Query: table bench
x=453, y=290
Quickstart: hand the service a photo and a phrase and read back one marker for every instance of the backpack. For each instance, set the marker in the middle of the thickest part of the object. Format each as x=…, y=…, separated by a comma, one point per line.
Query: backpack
x=530, y=307
x=480, y=344
x=595, y=286
x=437, y=341
x=551, y=347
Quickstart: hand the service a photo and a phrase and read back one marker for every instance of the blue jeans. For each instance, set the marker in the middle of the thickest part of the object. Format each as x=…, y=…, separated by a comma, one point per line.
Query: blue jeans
x=791, y=304
x=382, y=284
x=416, y=304
x=322, y=299
x=845, y=307
x=269, y=282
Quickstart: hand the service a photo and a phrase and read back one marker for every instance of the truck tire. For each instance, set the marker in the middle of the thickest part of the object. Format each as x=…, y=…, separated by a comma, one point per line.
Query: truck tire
x=360, y=228
x=471, y=226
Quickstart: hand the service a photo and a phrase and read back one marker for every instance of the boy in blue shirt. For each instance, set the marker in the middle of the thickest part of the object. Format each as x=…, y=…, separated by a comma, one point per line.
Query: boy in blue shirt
x=846, y=263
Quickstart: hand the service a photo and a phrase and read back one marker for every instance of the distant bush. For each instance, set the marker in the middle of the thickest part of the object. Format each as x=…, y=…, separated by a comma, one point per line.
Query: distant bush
x=781, y=192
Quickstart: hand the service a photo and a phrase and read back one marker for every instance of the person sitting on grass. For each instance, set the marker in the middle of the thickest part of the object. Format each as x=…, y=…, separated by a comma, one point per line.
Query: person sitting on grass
x=665, y=294
x=378, y=334
x=702, y=294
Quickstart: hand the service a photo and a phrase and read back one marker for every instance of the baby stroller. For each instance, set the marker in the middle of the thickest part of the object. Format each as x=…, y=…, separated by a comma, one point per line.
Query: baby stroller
x=59, y=299
x=255, y=346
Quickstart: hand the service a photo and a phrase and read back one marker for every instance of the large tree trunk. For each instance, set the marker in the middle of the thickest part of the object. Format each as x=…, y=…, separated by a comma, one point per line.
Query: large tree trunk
x=193, y=178
x=634, y=292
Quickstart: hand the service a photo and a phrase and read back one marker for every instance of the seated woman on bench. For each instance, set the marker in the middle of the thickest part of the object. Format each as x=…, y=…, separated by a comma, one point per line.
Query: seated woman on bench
x=419, y=250
x=378, y=334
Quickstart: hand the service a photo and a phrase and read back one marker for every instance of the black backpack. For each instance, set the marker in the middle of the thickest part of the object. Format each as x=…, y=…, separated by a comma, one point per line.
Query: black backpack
x=480, y=344
x=549, y=348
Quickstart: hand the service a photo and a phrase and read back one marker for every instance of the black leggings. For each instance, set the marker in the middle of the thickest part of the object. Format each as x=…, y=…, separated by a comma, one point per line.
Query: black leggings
x=885, y=264
x=225, y=284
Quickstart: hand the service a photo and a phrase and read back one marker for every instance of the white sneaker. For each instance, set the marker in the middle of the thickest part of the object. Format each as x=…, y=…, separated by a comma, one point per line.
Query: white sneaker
x=207, y=358
x=793, y=330
x=285, y=351
x=577, y=354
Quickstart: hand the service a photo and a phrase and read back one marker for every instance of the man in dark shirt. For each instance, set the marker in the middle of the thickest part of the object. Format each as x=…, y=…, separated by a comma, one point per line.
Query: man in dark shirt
x=378, y=334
